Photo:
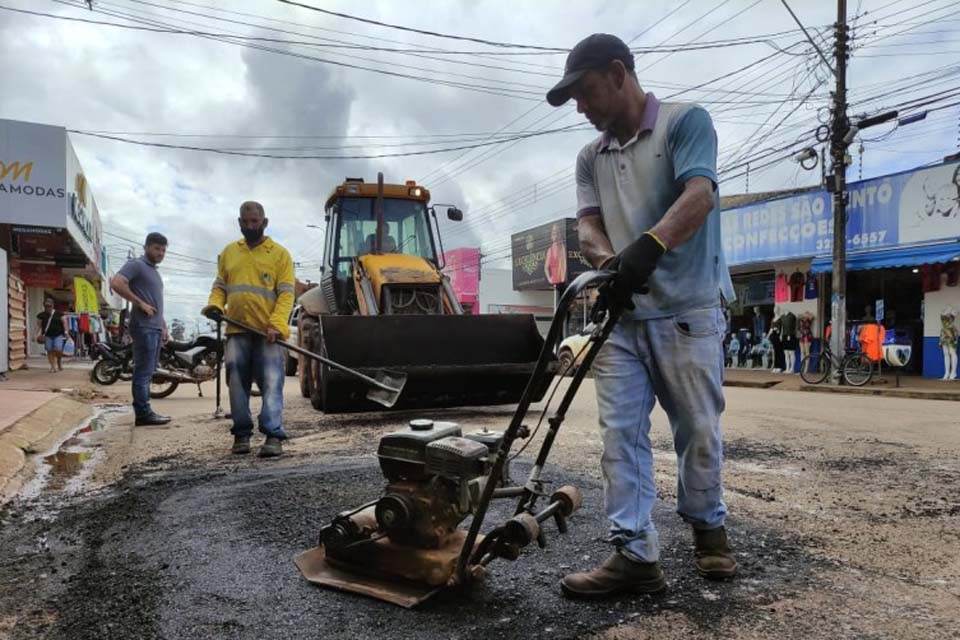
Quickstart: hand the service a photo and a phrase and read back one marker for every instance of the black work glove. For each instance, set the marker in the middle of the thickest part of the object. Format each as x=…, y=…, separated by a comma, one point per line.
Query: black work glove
x=213, y=312
x=634, y=265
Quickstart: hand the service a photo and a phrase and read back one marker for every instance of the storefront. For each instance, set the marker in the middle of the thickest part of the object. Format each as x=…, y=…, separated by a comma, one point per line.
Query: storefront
x=903, y=243
x=497, y=295
x=49, y=223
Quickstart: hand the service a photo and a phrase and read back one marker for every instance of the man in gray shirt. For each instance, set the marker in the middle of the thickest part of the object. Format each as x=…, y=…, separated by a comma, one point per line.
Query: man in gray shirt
x=648, y=209
x=139, y=282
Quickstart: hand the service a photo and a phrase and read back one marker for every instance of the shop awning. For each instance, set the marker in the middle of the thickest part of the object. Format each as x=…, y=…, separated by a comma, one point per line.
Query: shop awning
x=889, y=258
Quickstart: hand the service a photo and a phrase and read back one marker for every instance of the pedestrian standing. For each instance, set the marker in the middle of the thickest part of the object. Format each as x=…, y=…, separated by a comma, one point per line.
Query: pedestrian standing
x=255, y=285
x=52, y=334
x=648, y=209
x=139, y=282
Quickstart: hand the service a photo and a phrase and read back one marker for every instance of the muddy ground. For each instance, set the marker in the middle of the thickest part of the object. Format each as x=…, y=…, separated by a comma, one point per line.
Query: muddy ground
x=845, y=514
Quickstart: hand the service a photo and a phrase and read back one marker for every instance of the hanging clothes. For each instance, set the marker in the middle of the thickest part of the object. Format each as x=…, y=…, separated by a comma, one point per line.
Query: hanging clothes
x=811, y=291
x=871, y=341
x=797, y=283
x=781, y=291
x=930, y=277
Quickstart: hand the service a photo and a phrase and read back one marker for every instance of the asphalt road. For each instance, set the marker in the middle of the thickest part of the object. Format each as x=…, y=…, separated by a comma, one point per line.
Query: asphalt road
x=845, y=518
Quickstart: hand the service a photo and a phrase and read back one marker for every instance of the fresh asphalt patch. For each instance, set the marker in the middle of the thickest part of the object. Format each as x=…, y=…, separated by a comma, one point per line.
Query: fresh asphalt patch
x=189, y=553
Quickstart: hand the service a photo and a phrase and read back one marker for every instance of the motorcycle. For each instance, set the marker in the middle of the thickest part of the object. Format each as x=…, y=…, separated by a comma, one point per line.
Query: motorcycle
x=192, y=362
x=114, y=361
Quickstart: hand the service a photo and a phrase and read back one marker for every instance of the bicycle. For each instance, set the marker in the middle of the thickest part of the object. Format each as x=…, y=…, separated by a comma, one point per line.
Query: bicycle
x=858, y=369
x=855, y=367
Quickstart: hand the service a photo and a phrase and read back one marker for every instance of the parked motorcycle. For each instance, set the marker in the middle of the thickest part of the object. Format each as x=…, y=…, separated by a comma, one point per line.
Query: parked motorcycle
x=114, y=361
x=193, y=362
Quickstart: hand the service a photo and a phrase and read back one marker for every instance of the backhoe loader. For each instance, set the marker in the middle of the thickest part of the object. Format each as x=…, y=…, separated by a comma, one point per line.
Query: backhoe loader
x=384, y=303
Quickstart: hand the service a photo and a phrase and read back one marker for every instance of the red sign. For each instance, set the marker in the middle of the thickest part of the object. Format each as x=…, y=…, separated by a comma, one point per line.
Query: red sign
x=47, y=276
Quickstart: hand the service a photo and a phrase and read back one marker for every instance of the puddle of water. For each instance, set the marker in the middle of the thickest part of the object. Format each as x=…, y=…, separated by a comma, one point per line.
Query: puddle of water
x=65, y=468
x=64, y=465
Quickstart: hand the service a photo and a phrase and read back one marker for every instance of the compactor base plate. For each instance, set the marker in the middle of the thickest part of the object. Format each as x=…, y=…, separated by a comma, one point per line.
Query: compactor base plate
x=384, y=570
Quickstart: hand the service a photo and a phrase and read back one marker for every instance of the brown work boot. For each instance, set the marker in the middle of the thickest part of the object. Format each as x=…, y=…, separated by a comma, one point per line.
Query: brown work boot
x=713, y=555
x=241, y=445
x=271, y=448
x=618, y=574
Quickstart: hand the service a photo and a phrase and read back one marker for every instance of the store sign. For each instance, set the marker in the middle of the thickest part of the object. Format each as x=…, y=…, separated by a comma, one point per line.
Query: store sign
x=33, y=231
x=85, y=296
x=37, y=246
x=900, y=209
x=32, y=170
x=46, y=276
x=546, y=256
x=83, y=219
x=78, y=207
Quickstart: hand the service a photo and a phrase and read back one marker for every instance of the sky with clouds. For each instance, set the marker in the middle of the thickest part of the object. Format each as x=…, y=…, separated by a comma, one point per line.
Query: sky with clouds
x=323, y=85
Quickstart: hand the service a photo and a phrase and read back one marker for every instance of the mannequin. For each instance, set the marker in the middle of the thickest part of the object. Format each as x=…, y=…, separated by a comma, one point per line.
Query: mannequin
x=733, y=352
x=745, y=345
x=805, y=333
x=948, y=342
x=766, y=352
x=759, y=323
x=788, y=336
x=775, y=342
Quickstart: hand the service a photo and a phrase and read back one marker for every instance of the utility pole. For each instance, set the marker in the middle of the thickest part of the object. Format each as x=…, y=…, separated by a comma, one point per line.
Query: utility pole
x=839, y=142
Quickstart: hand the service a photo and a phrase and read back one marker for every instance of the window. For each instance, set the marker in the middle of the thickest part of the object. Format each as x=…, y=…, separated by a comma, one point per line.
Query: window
x=407, y=229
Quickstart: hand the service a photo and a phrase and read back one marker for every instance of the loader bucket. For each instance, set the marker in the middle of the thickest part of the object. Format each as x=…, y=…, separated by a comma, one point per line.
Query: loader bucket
x=449, y=360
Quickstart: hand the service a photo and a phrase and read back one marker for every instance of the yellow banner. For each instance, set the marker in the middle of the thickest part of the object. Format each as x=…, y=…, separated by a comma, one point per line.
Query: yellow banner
x=85, y=296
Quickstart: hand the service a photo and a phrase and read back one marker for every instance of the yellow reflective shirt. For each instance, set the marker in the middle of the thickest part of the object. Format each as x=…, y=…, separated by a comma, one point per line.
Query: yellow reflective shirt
x=255, y=286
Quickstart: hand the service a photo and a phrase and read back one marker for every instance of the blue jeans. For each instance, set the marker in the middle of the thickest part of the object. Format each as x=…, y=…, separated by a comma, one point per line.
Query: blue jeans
x=250, y=358
x=679, y=362
x=146, y=352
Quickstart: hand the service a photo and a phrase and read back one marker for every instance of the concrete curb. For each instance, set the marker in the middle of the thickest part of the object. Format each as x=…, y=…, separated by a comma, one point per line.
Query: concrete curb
x=888, y=393
x=34, y=433
x=751, y=384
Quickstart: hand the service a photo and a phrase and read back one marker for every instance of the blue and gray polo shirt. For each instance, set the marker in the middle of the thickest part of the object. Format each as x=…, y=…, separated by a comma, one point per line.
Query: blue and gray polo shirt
x=633, y=185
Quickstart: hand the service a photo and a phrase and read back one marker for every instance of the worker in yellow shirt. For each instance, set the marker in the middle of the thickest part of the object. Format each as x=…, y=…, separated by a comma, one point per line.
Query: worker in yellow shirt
x=254, y=285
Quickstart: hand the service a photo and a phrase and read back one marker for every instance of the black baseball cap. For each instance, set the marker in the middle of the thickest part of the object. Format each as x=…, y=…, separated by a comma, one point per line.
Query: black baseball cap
x=593, y=52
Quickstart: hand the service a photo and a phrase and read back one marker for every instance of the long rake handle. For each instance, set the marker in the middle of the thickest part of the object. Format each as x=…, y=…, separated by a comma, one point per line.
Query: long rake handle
x=316, y=356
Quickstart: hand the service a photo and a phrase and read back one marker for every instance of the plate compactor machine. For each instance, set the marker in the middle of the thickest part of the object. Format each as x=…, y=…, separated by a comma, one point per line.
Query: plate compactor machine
x=407, y=545
x=384, y=302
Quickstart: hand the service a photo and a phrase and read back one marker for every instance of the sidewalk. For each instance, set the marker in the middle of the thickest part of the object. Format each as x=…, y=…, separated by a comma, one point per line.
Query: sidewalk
x=910, y=386
x=36, y=412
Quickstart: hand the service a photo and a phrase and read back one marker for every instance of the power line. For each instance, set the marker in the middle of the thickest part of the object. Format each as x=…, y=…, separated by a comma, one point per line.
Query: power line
x=333, y=44
x=501, y=91
x=804, y=29
x=435, y=34
x=673, y=11
x=274, y=156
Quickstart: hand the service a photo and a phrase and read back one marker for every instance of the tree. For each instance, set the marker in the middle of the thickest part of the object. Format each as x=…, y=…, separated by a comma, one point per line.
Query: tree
x=177, y=329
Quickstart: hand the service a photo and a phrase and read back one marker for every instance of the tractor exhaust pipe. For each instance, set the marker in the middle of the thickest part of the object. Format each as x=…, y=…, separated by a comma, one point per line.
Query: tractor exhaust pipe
x=378, y=211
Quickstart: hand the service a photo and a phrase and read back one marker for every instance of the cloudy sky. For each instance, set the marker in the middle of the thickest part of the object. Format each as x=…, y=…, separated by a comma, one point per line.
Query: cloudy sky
x=264, y=77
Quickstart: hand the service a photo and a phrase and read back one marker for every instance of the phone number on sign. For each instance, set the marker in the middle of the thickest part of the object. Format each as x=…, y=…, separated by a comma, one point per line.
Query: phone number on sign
x=871, y=239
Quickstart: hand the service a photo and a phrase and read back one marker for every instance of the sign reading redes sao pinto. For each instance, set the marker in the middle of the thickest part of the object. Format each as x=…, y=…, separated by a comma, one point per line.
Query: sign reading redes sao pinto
x=906, y=208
